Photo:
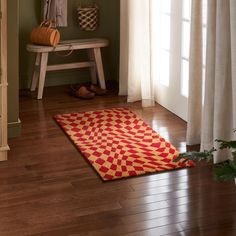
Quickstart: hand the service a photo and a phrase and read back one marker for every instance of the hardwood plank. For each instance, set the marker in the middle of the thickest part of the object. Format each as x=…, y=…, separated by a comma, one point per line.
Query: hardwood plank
x=48, y=188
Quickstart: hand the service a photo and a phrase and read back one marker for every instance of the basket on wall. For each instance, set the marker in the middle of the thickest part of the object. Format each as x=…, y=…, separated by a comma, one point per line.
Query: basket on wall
x=88, y=17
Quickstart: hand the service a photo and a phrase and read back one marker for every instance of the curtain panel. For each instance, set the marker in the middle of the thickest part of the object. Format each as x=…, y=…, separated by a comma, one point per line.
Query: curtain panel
x=195, y=75
x=135, y=52
x=219, y=106
x=153, y=56
x=211, y=102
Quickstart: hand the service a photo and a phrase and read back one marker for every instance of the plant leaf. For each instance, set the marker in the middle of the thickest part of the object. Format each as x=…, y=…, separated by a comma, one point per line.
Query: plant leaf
x=196, y=156
x=234, y=155
x=226, y=144
x=225, y=171
x=233, y=164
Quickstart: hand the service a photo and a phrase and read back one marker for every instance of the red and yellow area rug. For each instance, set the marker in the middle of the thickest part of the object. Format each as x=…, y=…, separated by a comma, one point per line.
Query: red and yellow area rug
x=119, y=144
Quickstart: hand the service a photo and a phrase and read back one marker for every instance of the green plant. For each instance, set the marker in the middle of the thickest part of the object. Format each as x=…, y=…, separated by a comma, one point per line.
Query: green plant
x=222, y=171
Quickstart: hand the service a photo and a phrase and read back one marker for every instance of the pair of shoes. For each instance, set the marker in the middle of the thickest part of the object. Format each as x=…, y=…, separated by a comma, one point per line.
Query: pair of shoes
x=97, y=90
x=82, y=92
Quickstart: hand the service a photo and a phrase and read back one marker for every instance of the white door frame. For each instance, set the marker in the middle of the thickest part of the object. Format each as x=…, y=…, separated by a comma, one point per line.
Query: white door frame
x=3, y=81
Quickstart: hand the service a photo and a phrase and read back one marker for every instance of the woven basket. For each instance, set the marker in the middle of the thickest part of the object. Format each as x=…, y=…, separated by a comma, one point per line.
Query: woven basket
x=88, y=18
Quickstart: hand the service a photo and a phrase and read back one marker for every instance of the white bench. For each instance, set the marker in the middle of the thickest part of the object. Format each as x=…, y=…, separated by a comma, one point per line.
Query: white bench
x=41, y=62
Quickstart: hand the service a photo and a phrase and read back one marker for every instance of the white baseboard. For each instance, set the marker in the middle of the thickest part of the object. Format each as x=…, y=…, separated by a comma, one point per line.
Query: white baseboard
x=3, y=153
x=14, y=129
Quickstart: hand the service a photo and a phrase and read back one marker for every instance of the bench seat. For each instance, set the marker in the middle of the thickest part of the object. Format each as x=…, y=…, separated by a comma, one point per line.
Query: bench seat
x=95, y=64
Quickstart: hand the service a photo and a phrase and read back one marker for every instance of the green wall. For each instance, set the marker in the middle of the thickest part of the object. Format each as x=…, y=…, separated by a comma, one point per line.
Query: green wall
x=108, y=28
x=13, y=69
x=23, y=15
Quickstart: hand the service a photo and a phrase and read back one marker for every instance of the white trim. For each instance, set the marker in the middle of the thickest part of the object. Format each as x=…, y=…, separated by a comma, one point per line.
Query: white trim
x=14, y=123
x=3, y=155
x=5, y=148
x=3, y=83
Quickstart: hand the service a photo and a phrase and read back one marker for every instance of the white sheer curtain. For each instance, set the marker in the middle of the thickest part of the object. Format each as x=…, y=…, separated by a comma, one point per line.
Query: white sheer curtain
x=142, y=72
x=135, y=53
x=154, y=56
x=219, y=107
x=195, y=75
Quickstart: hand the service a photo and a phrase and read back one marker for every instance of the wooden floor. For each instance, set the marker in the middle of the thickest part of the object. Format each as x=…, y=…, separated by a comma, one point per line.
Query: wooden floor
x=47, y=188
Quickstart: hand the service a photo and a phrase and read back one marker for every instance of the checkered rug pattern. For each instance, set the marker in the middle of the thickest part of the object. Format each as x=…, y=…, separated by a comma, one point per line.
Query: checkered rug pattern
x=119, y=144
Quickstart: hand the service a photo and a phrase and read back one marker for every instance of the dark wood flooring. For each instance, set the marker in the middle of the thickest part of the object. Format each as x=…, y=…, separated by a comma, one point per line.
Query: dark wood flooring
x=47, y=188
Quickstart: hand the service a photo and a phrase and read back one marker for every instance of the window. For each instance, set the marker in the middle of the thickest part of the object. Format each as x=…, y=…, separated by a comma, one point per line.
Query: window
x=162, y=25
x=186, y=24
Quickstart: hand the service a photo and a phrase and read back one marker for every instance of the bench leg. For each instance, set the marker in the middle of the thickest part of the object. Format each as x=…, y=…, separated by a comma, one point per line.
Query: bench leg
x=36, y=73
x=42, y=74
x=99, y=66
x=93, y=70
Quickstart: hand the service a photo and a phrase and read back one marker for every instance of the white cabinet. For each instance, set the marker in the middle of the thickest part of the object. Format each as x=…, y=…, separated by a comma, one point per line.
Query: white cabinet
x=3, y=81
